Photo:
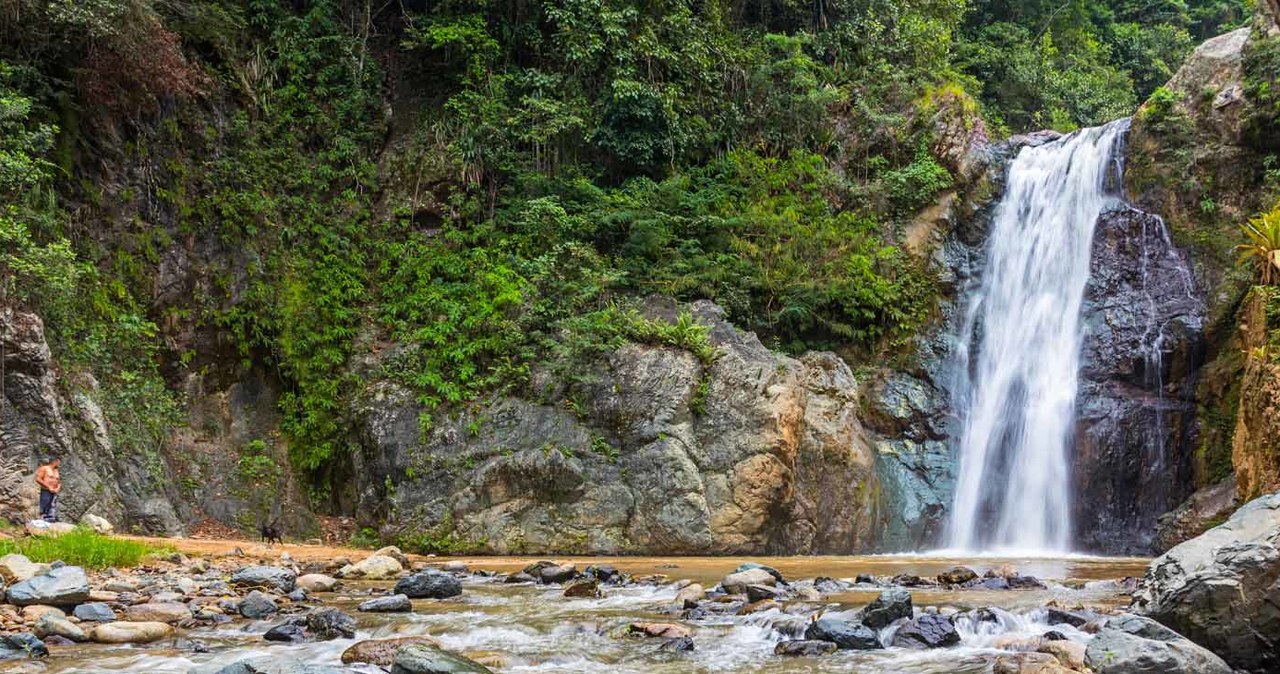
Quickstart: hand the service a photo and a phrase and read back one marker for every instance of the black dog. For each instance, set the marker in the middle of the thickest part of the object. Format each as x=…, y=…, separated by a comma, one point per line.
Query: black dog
x=271, y=533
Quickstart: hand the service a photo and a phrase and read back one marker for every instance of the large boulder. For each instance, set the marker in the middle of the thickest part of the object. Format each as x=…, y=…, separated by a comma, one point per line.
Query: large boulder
x=930, y=630
x=317, y=582
x=328, y=623
x=424, y=659
x=737, y=583
x=429, y=584
x=1130, y=644
x=269, y=577
x=21, y=645
x=53, y=624
x=373, y=567
x=888, y=607
x=97, y=524
x=845, y=634
x=393, y=603
x=1222, y=588
x=60, y=586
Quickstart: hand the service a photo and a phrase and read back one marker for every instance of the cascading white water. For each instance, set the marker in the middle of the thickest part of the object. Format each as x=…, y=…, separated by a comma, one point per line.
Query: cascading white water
x=1019, y=353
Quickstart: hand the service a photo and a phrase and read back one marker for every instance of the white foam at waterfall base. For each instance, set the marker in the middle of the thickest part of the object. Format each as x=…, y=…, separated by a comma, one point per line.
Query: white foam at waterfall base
x=1018, y=357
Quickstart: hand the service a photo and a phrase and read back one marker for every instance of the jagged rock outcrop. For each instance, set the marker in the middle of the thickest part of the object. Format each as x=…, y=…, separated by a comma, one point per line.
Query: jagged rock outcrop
x=1222, y=589
x=1255, y=452
x=1142, y=349
x=40, y=418
x=649, y=450
x=1203, y=510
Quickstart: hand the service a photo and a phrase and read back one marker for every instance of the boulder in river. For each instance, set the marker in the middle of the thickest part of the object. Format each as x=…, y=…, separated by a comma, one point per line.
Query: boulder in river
x=63, y=585
x=277, y=665
x=663, y=630
x=294, y=631
x=382, y=652
x=690, y=595
x=587, y=588
x=805, y=648
x=373, y=567
x=1131, y=644
x=737, y=582
x=317, y=582
x=423, y=659
x=930, y=630
x=327, y=624
x=22, y=645
x=888, y=607
x=845, y=634
x=270, y=577
x=95, y=611
x=1222, y=589
x=957, y=575
x=52, y=624
x=257, y=606
x=392, y=603
x=130, y=632
x=429, y=584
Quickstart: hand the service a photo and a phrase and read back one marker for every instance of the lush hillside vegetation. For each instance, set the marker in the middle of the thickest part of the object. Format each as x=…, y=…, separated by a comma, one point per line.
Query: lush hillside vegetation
x=494, y=184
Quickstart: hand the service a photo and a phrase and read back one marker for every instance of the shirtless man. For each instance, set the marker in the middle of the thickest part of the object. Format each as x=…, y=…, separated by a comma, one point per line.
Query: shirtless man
x=50, y=481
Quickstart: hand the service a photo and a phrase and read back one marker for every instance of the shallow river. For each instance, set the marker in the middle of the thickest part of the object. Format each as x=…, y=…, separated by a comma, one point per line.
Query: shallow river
x=531, y=629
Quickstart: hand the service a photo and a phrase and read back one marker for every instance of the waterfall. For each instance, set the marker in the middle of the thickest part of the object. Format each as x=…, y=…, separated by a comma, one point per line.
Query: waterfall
x=1018, y=358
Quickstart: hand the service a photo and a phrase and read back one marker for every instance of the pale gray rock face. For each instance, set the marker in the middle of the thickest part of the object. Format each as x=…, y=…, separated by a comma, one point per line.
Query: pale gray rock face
x=57, y=587
x=646, y=450
x=1130, y=644
x=1222, y=588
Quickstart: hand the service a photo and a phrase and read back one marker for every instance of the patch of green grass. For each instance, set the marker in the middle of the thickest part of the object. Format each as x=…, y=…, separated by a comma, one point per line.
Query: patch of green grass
x=81, y=547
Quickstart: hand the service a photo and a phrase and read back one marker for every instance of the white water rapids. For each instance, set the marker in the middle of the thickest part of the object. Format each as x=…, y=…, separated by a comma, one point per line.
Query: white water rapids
x=1019, y=354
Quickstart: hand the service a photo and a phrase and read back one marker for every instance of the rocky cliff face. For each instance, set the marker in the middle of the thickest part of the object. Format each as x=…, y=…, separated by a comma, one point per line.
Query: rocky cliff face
x=1255, y=451
x=1142, y=351
x=40, y=418
x=646, y=451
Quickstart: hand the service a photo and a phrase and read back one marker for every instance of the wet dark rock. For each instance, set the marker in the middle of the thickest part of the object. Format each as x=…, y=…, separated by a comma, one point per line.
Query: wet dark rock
x=891, y=605
x=988, y=584
x=269, y=577
x=927, y=631
x=1136, y=432
x=559, y=573
x=845, y=634
x=1024, y=583
x=1057, y=616
x=866, y=579
x=329, y=623
x=583, y=589
x=605, y=573
x=805, y=648
x=957, y=575
x=908, y=580
x=293, y=631
x=22, y=645
x=395, y=603
x=422, y=659
x=678, y=645
x=429, y=584
x=1054, y=635
x=521, y=577
x=257, y=606
x=1130, y=644
x=758, y=593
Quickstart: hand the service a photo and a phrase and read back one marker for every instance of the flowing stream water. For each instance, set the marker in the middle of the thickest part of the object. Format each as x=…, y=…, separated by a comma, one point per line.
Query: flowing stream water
x=527, y=628
x=1019, y=354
